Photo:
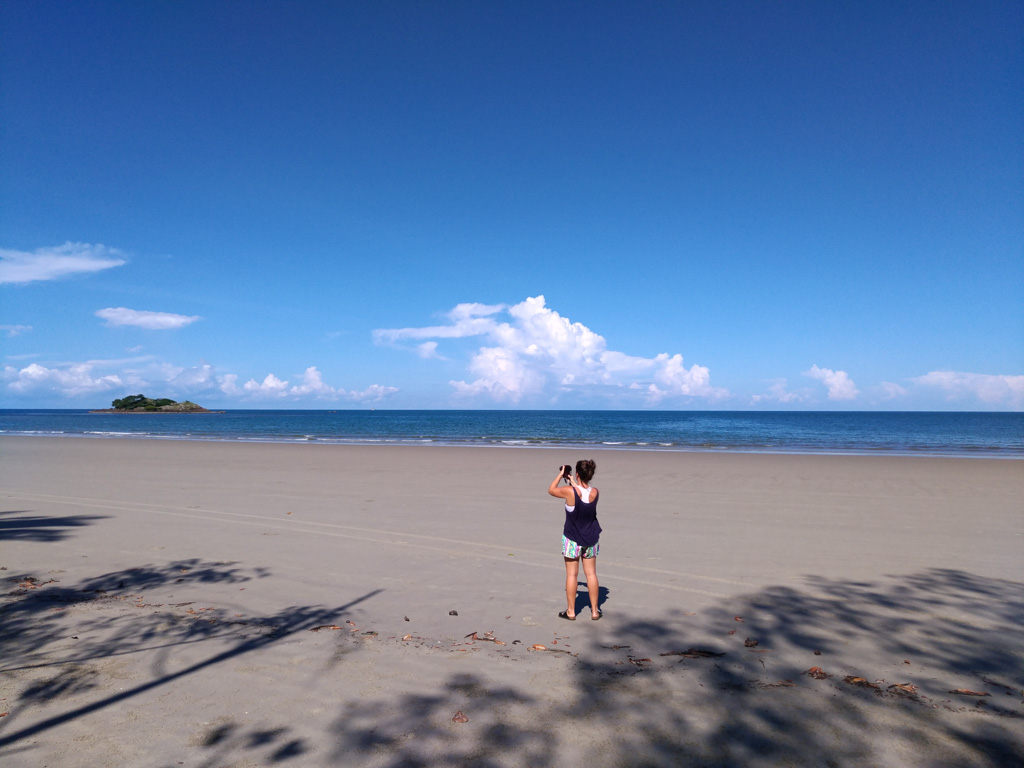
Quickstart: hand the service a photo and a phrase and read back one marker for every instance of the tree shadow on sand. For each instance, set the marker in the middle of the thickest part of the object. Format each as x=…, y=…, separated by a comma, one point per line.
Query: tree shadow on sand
x=22, y=525
x=49, y=632
x=228, y=740
x=730, y=687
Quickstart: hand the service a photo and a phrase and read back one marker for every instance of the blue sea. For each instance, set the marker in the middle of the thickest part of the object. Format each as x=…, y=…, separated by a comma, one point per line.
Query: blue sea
x=927, y=434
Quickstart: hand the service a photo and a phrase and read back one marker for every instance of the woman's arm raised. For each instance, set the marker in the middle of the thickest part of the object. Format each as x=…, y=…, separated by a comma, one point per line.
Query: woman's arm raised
x=563, y=492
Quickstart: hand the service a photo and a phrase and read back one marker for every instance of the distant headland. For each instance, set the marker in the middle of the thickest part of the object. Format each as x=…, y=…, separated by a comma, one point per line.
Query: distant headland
x=142, y=404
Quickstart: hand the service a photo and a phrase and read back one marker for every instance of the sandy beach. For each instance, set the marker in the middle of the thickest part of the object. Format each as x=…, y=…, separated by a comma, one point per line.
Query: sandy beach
x=171, y=603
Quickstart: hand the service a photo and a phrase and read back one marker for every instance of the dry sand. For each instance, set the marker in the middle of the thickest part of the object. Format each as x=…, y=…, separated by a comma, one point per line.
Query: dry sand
x=161, y=603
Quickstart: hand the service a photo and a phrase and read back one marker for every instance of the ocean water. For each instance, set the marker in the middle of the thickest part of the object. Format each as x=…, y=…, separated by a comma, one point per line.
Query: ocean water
x=937, y=434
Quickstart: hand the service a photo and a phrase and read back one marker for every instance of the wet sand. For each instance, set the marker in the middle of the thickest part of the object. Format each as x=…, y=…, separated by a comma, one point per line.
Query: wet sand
x=217, y=604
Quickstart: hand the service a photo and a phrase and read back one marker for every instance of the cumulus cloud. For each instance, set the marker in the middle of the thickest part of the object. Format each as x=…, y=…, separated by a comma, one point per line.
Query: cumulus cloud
x=228, y=384
x=56, y=262
x=153, y=321
x=531, y=351
x=840, y=385
x=15, y=330
x=311, y=386
x=998, y=390
x=163, y=379
x=70, y=381
x=271, y=386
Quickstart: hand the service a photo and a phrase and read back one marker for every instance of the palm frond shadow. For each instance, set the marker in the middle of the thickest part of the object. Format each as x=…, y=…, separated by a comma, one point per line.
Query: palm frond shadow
x=32, y=615
x=22, y=525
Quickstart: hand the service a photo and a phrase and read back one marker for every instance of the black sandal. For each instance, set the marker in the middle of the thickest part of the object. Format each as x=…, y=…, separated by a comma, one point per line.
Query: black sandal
x=565, y=615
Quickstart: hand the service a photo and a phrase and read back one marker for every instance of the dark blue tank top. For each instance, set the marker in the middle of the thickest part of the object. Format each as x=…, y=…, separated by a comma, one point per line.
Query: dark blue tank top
x=581, y=524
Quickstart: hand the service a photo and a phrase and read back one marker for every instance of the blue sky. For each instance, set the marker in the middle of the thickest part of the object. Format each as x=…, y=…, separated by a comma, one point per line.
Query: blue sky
x=729, y=205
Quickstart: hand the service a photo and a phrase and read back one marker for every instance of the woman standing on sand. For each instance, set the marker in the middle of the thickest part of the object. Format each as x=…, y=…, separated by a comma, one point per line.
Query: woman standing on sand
x=580, y=533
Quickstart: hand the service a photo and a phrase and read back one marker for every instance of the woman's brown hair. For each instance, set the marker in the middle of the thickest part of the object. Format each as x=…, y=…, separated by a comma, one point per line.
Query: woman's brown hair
x=586, y=468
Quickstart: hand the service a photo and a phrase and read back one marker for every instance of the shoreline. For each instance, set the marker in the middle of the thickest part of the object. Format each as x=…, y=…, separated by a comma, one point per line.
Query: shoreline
x=842, y=433
x=994, y=453
x=144, y=411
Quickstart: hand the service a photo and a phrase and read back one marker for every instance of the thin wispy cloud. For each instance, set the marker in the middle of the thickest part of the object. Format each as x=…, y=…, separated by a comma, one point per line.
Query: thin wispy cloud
x=428, y=350
x=15, y=330
x=778, y=393
x=57, y=262
x=890, y=390
x=466, y=320
x=153, y=321
x=530, y=351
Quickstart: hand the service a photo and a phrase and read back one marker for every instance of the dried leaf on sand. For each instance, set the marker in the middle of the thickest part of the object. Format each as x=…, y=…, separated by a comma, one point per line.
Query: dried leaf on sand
x=903, y=689
x=694, y=653
x=859, y=681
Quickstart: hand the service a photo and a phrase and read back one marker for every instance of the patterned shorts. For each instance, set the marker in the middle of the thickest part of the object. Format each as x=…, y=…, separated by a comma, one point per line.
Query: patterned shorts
x=572, y=550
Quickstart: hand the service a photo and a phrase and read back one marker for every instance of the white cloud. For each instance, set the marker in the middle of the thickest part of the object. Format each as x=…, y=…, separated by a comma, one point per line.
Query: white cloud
x=70, y=381
x=504, y=375
x=673, y=374
x=119, y=361
x=890, y=391
x=840, y=385
x=778, y=393
x=535, y=353
x=467, y=320
x=15, y=330
x=428, y=350
x=57, y=262
x=990, y=389
x=153, y=321
x=161, y=379
x=191, y=379
x=372, y=394
x=312, y=386
x=228, y=384
x=271, y=386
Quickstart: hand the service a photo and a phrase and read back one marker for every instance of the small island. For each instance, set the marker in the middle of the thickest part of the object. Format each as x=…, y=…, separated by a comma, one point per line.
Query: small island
x=142, y=404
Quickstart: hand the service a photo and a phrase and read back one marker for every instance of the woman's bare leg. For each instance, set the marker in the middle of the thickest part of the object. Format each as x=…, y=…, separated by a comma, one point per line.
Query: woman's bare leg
x=572, y=575
x=590, y=571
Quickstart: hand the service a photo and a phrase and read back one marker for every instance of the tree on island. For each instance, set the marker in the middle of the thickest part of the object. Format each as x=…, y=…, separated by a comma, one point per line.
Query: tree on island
x=143, y=403
x=140, y=402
